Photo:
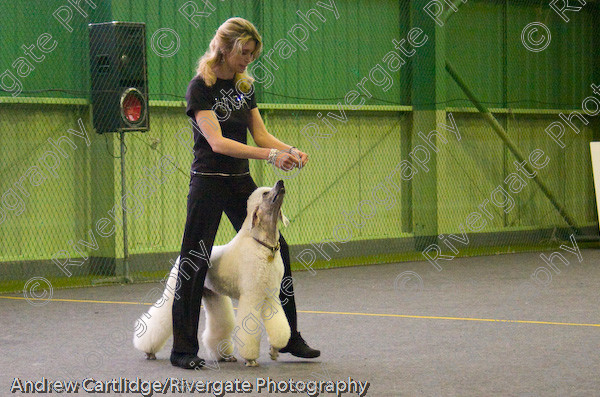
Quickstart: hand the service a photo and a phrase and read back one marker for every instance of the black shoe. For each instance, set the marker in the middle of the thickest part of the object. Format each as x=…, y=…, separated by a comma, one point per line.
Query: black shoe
x=297, y=347
x=186, y=361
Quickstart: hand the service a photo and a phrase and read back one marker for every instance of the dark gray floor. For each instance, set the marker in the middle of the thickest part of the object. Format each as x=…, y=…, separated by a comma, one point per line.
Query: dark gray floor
x=399, y=356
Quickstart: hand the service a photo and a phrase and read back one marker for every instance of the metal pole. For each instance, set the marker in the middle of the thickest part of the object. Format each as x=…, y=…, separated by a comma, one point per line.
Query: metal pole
x=124, y=206
x=126, y=277
x=513, y=148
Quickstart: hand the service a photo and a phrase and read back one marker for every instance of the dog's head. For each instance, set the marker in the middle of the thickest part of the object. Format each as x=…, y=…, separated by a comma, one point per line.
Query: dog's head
x=264, y=205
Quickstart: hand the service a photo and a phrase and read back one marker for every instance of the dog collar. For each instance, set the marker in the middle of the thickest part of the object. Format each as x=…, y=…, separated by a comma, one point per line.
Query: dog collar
x=273, y=249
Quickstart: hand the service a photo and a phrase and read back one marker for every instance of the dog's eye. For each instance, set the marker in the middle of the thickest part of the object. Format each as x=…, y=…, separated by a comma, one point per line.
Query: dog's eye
x=265, y=193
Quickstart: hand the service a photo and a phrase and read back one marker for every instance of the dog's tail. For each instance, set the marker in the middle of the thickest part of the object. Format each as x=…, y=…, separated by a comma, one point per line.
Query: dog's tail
x=154, y=327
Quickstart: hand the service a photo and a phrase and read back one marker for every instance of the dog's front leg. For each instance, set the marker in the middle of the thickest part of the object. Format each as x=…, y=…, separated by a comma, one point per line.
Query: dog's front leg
x=276, y=324
x=248, y=330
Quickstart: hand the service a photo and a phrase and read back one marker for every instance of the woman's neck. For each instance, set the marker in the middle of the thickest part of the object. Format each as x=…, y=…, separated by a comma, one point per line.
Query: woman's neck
x=223, y=72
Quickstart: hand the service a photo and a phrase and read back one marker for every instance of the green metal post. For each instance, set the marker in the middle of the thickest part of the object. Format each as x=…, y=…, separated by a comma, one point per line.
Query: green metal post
x=428, y=100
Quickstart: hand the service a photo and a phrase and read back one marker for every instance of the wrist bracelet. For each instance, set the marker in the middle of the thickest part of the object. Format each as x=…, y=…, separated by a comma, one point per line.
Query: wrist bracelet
x=272, y=156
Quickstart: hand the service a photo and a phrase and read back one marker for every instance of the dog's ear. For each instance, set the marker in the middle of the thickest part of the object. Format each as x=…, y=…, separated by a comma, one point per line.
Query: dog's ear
x=284, y=219
x=255, y=217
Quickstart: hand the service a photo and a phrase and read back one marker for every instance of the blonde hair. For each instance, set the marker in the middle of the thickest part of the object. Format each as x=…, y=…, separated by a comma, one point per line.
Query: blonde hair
x=232, y=35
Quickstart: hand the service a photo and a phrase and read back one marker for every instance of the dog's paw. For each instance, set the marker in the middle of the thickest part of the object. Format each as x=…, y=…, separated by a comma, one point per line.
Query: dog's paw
x=150, y=356
x=274, y=353
x=251, y=363
x=229, y=359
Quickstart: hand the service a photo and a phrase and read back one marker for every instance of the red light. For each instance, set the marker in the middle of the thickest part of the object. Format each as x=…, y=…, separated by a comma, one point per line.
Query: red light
x=132, y=108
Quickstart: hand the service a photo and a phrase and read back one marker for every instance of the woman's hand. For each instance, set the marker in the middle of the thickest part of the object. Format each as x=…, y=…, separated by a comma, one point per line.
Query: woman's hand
x=300, y=156
x=290, y=159
x=285, y=161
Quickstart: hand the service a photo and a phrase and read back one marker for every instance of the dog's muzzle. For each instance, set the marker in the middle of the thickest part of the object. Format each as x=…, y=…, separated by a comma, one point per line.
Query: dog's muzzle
x=280, y=190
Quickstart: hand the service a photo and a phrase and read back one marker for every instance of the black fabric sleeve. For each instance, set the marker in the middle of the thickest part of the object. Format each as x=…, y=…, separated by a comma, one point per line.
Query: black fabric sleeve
x=253, y=100
x=198, y=97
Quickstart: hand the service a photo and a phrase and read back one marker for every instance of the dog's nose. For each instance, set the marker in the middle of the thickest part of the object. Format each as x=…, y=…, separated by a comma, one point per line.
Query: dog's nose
x=279, y=184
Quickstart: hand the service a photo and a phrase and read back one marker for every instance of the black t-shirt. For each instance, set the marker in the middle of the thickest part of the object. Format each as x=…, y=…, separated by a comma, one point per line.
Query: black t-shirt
x=232, y=108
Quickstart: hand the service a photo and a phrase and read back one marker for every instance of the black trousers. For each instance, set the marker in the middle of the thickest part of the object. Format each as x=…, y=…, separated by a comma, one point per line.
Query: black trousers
x=208, y=197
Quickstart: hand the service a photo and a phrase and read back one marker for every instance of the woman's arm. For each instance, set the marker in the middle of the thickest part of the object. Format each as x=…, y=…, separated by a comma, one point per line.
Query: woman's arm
x=211, y=130
x=209, y=125
x=265, y=140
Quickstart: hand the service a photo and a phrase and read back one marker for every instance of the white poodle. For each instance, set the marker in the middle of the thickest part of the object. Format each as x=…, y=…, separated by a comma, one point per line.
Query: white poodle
x=248, y=268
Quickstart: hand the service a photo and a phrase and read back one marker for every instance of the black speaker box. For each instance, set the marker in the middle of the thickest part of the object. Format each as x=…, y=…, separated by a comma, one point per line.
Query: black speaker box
x=119, y=78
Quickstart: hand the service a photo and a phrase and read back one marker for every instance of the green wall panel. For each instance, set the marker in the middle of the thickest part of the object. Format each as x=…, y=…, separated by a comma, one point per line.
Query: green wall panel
x=55, y=207
x=471, y=169
x=482, y=41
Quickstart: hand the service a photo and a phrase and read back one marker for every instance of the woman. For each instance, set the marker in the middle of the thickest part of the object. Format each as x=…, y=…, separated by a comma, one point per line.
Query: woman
x=221, y=103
